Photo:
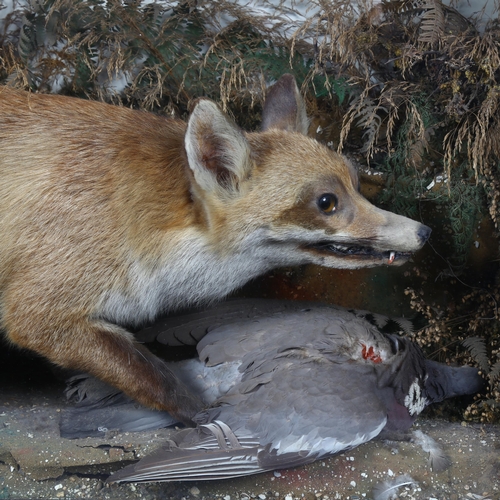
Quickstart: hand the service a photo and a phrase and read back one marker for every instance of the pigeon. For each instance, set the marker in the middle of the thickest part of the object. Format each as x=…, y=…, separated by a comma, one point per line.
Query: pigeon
x=98, y=408
x=291, y=386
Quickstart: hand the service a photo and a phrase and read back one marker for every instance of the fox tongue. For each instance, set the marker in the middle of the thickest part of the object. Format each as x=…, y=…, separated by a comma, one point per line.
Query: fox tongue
x=392, y=256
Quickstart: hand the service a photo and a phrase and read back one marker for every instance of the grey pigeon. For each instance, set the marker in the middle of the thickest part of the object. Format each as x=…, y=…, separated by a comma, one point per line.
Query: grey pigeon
x=290, y=387
x=99, y=407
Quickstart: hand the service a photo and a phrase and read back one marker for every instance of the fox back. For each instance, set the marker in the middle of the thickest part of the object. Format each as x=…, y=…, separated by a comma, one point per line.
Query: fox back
x=110, y=216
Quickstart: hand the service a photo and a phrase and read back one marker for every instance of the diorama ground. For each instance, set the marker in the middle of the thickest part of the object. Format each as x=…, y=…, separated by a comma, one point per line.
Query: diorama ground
x=35, y=462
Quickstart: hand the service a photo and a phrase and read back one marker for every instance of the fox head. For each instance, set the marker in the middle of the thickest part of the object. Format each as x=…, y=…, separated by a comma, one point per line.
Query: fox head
x=281, y=190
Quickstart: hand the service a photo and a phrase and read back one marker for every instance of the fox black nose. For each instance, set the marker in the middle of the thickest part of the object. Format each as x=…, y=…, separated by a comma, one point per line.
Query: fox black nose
x=423, y=233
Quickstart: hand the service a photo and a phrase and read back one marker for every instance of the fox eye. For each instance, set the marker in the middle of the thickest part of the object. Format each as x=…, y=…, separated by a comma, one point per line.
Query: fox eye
x=327, y=203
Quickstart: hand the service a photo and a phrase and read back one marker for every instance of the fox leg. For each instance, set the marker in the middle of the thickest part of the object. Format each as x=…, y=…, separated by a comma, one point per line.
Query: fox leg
x=107, y=352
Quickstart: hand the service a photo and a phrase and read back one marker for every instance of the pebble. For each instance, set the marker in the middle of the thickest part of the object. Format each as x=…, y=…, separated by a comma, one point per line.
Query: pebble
x=116, y=454
x=194, y=491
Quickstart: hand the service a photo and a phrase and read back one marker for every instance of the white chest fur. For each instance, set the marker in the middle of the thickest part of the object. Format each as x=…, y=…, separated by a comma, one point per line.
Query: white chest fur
x=192, y=274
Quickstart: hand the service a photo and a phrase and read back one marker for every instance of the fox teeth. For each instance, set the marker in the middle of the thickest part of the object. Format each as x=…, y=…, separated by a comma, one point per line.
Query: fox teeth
x=392, y=256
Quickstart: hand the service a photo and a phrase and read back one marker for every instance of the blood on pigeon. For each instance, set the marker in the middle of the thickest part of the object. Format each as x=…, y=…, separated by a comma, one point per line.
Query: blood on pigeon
x=370, y=354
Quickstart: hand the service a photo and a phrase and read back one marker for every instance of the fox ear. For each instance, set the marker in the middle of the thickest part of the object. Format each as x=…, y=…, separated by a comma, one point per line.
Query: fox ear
x=217, y=151
x=284, y=108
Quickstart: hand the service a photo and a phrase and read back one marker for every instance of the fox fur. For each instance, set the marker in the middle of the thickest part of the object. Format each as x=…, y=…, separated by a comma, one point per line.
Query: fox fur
x=110, y=216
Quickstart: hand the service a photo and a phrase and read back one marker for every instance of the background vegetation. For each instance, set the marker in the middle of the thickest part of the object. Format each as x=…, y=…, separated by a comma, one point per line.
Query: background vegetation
x=409, y=89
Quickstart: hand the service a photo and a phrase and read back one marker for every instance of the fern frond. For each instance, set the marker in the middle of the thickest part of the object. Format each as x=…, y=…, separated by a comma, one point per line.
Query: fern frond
x=432, y=25
x=495, y=372
x=483, y=141
x=477, y=348
x=370, y=120
x=27, y=39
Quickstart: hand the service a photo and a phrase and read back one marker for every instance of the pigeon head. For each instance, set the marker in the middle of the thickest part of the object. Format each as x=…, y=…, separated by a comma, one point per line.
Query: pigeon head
x=410, y=382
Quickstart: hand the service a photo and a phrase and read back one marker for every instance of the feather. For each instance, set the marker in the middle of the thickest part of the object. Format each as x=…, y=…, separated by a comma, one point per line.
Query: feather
x=389, y=489
x=189, y=327
x=438, y=460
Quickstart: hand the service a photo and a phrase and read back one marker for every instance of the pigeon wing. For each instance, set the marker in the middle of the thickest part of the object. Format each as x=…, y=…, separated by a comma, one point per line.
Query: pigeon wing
x=188, y=327
x=301, y=409
x=316, y=327
x=209, y=452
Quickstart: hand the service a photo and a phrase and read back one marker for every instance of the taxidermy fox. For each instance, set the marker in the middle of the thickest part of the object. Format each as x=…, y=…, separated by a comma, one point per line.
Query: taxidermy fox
x=109, y=216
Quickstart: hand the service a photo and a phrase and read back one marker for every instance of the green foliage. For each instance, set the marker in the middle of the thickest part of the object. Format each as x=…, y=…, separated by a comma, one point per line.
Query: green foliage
x=166, y=54
x=457, y=201
x=405, y=184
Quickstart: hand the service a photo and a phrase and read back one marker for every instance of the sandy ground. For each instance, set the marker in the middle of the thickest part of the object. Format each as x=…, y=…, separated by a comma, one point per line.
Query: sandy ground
x=35, y=462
